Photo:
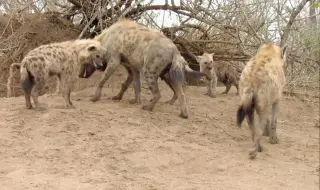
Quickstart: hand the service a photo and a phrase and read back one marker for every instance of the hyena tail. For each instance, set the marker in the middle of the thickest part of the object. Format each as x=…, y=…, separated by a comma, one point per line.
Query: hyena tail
x=247, y=105
x=193, y=73
x=176, y=71
x=9, y=83
x=27, y=80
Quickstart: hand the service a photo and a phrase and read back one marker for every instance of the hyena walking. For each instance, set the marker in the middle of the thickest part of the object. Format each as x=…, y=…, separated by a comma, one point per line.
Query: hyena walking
x=141, y=49
x=62, y=60
x=226, y=72
x=261, y=85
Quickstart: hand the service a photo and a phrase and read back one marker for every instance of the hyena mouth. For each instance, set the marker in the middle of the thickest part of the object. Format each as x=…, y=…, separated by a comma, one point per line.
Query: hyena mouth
x=98, y=64
x=87, y=70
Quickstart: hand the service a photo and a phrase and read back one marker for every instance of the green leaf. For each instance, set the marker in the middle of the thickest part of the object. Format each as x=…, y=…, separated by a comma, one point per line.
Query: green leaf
x=316, y=4
x=288, y=9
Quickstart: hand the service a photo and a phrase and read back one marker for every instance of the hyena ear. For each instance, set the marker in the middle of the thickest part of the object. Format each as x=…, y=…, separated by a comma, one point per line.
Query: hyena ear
x=284, y=51
x=211, y=54
x=260, y=47
x=198, y=58
x=92, y=48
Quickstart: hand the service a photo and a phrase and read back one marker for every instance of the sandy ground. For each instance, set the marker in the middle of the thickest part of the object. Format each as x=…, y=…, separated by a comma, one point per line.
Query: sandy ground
x=116, y=145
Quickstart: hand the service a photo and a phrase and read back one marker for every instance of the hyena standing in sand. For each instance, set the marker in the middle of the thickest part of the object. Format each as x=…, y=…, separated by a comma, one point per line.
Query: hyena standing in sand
x=141, y=49
x=226, y=72
x=261, y=85
x=62, y=60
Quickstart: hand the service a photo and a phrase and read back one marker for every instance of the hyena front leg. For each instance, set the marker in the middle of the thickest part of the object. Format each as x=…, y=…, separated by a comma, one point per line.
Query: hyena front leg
x=113, y=64
x=125, y=85
x=212, y=86
x=58, y=87
x=66, y=82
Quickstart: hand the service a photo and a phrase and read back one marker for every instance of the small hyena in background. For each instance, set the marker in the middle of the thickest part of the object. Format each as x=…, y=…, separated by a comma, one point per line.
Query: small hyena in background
x=261, y=85
x=226, y=72
x=62, y=60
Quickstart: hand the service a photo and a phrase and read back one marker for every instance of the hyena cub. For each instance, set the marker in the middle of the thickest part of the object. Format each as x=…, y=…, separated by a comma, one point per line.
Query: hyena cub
x=226, y=72
x=62, y=60
x=261, y=84
x=206, y=66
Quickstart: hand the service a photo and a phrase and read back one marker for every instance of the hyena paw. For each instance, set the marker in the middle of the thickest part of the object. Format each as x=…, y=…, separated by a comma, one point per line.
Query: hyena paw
x=116, y=98
x=134, y=101
x=274, y=139
x=184, y=115
x=70, y=106
x=212, y=95
x=147, y=107
x=94, y=99
x=40, y=108
x=253, y=153
x=171, y=102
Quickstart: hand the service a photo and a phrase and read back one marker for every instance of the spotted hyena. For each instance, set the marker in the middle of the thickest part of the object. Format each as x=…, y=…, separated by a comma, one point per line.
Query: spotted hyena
x=141, y=49
x=226, y=72
x=62, y=60
x=261, y=84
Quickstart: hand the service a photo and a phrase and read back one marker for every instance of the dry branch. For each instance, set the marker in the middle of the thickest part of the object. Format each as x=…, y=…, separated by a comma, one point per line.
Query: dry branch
x=294, y=14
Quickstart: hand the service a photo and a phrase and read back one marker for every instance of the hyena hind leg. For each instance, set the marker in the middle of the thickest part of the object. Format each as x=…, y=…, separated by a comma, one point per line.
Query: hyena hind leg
x=38, y=86
x=125, y=85
x=168, y=81
x=179, y=92
x=228, y=87
x=136, y=87
x=273, y=127
x=153, y=86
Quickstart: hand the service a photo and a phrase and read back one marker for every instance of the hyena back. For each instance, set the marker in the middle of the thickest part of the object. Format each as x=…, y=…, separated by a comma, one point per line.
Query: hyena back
x=261, y=85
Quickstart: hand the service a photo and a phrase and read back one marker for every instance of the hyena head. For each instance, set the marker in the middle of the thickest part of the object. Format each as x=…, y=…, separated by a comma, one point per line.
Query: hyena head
x=271, y=49
x=90, y=57
x=206, y=62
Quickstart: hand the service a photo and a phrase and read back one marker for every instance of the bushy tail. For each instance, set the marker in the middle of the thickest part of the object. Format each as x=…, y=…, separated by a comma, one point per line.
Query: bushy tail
x=176, y=71
x=27, y=80
x=247, y=105
x=179, y=68
x=9, y=82
x=193, y=73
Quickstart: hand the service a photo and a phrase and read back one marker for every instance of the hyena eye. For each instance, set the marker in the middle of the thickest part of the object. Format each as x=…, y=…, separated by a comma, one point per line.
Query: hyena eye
x=205, y=63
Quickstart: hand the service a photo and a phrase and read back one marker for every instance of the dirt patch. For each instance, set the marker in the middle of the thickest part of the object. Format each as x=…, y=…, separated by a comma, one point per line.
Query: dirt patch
x=21, y=33
x=116, y=145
